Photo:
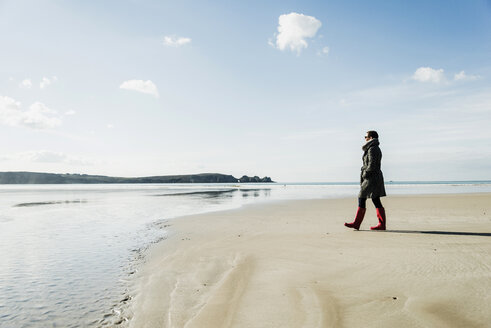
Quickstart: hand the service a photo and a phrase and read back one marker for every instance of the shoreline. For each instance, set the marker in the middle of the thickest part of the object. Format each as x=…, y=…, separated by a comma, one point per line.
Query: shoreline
x=293, y=263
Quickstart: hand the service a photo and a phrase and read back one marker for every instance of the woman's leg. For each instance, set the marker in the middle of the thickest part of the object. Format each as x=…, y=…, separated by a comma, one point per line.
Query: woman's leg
x=362, y=202
x=360, y=214
x=376, y=201
x=380, y=214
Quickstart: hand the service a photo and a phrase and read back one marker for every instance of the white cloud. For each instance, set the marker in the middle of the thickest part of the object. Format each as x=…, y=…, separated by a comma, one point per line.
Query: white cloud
x=44, y=83
x=44, y=156
x=323, y=52
x=147, y=87
x=26, y=84
x=9, y=111
x=70, y=112
x=294, y=29
x=462, y=76
x=173, y=41
x=428, y=74
x=38, y=116
x=110, y=126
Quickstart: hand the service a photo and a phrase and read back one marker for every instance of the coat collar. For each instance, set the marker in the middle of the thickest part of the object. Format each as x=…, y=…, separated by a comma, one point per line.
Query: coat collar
x=373, y=142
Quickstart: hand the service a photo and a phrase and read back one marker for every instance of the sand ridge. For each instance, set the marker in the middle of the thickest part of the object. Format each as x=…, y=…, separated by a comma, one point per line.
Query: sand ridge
x=294, y=264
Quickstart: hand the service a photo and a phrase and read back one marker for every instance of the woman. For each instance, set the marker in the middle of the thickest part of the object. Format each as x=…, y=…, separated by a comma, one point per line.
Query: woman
x=371, y=182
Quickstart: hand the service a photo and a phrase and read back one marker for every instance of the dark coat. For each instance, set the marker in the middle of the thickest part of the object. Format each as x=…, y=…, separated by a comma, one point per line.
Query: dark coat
x=371, y=178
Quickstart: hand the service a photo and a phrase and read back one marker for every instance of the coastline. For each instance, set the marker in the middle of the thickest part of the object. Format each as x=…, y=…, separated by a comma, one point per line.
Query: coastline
x=293, y=263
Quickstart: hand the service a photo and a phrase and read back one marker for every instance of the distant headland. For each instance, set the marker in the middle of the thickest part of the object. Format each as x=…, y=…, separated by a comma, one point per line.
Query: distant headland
x=54, y=178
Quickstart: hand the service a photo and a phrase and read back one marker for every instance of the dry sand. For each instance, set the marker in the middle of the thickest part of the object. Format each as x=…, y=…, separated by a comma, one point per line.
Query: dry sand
x=294, y=264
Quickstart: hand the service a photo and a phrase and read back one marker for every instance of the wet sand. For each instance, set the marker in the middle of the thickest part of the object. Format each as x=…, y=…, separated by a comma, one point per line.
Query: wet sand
x=294, y=264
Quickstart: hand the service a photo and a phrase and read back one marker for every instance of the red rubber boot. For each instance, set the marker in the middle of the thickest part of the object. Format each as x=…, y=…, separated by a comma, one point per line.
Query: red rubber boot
x=381, y=219
x=360, y=214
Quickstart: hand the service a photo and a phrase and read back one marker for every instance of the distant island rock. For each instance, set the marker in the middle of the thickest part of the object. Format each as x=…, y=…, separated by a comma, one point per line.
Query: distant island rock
x=246, y=179
x=54, y=178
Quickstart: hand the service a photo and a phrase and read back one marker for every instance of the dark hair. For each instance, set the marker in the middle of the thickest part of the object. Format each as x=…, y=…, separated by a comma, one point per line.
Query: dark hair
x=372, y=134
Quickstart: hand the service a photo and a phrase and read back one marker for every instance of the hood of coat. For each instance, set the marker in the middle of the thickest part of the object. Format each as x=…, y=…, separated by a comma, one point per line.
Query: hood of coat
x=373, y=142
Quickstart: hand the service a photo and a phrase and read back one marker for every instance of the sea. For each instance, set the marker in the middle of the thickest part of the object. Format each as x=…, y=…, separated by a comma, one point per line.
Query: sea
x=68, y=252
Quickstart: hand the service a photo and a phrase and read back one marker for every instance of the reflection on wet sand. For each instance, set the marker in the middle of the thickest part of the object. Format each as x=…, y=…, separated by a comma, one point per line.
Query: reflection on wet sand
x=266, y=192
x=77, y=201
x=206, y=193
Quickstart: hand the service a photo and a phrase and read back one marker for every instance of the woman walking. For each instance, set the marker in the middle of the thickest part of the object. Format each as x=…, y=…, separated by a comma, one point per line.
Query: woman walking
x=371, y=183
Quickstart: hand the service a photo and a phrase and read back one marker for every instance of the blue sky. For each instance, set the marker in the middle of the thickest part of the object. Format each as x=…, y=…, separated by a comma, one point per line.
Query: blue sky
x=279, y=88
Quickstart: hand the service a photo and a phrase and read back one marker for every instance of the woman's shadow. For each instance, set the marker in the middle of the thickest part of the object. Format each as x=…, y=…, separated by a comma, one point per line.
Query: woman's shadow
x=435, y=232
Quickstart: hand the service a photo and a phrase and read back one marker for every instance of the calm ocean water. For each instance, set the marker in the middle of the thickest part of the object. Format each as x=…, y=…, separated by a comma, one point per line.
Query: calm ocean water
x=67, y=252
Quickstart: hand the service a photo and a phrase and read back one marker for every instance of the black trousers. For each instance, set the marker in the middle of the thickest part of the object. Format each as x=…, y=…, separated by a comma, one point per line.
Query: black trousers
x=362, y=202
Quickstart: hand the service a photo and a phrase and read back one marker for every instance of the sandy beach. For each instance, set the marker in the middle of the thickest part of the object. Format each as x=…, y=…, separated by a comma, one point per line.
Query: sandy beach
x=294, y=264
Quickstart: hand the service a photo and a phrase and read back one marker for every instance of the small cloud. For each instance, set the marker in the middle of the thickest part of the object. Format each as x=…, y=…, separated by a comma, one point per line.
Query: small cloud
x=26, y=84
x=293, y=31
x=9, y=110
x=70, y=112
x=38, y=116
x=428, y=74
x=110, y=126
x=44, y=156
x=147, y=87
x=324, y=51
x=462, y=76
x=173, y=41
x=44, y=83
